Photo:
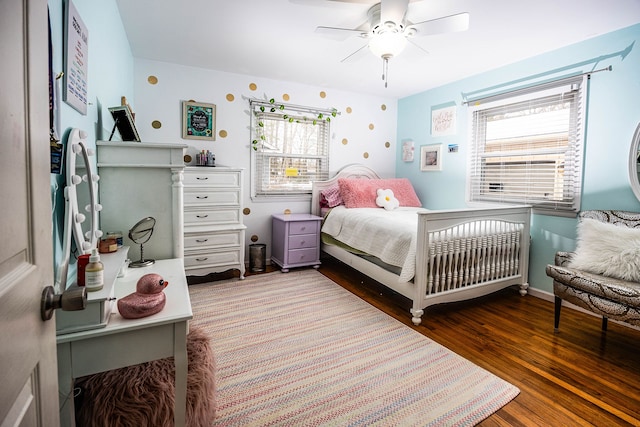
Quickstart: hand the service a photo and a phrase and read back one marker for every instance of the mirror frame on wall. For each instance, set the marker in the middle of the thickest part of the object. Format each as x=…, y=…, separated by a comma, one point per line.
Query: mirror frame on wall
x=634, y=162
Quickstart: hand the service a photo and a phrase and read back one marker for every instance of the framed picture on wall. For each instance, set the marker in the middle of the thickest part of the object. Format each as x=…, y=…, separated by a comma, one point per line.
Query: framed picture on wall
x=431, y=157
x=198, y=120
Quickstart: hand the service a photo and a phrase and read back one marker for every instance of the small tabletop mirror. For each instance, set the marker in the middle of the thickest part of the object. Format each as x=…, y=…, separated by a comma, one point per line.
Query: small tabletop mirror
x=140, y=234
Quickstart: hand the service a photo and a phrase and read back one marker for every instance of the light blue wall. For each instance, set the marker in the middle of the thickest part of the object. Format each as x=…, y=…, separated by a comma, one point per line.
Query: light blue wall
x=110, y=76
x=613, y=114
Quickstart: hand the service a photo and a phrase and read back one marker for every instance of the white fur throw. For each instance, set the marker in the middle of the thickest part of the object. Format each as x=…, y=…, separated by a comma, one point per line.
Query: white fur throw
x=607, y=249
x=143, y=395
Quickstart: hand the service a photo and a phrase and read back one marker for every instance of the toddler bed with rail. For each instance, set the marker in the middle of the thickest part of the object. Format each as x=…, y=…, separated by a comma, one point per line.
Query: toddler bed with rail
x=429, y=256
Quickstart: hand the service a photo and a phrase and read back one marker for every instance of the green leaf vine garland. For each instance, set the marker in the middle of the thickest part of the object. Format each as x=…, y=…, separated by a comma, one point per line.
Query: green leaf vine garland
x=259, y=130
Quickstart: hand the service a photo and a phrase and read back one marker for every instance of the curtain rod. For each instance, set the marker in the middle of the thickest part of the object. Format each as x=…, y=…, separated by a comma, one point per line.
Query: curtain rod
x=526, y=89
x=254, y=101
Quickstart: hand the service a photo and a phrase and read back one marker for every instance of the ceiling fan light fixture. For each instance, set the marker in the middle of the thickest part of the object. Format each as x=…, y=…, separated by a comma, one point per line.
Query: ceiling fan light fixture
x=387, y=44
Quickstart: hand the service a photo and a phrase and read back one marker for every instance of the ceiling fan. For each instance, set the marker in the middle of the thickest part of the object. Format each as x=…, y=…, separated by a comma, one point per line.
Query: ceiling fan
x=388, y=30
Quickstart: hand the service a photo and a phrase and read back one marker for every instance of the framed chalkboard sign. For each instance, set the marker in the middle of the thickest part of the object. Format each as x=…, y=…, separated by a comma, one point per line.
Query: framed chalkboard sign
x=198, y=120
x=123, y=121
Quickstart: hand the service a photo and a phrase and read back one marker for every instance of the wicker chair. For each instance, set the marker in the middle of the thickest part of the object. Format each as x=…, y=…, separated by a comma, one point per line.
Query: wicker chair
x=609, y=297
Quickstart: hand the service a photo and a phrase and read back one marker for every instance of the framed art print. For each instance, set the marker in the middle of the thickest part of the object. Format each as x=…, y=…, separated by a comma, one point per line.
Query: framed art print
x=443, y=121
x=198, y=120
x=431, y=157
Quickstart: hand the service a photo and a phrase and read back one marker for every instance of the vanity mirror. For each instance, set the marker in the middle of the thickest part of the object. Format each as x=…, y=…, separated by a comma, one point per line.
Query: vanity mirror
x=634, y=163
x=80, y=180
x=140, y=234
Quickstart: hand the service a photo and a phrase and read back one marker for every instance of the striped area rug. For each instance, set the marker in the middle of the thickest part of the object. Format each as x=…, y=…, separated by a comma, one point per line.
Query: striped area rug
x=296, y=349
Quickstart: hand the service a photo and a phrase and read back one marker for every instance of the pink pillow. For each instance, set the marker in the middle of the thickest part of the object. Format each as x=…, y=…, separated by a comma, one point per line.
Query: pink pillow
x=332, y=196
x=362, y=193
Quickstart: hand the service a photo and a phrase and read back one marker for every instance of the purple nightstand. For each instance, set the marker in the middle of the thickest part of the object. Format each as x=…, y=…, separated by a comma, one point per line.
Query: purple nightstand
x=295, y=240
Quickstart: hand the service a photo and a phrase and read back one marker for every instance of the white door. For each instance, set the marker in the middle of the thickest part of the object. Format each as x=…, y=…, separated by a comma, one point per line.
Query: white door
x=29, y=385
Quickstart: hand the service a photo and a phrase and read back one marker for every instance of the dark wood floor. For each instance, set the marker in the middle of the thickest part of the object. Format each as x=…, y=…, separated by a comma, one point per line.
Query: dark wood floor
x=578, y=376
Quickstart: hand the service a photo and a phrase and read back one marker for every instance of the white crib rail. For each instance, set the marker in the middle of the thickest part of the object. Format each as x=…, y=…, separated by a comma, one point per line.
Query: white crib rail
x=472, y=253
x=463, y=254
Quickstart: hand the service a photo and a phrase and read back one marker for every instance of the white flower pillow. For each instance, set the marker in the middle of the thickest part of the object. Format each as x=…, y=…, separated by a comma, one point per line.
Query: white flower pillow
x=386, y=199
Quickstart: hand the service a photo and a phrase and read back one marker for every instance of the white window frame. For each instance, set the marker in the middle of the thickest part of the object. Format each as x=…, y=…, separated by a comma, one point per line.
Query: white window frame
x=564, y=197
x=269, y=183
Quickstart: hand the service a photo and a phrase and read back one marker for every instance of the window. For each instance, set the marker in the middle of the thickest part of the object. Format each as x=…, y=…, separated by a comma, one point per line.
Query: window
x=527, y=147
x=290, y=148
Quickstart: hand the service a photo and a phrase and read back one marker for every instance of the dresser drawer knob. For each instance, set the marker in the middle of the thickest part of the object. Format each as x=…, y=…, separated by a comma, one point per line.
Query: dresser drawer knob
x=201, y=240
x=201, y=216
x=302, y=242
x=202, y=197
x=202, y=178
x=201, y=259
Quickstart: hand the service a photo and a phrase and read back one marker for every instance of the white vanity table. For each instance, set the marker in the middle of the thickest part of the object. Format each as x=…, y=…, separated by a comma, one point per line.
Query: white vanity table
x=136, y=180
x=125, y=342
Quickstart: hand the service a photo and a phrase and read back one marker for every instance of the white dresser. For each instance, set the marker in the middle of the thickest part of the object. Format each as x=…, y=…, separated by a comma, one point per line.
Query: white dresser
x=213, y=228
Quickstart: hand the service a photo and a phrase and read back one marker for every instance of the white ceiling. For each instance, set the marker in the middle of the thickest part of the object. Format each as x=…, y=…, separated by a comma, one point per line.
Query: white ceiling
x=276, y=39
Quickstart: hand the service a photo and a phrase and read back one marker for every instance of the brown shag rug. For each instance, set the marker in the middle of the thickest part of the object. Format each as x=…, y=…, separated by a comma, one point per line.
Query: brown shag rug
x=143, y=395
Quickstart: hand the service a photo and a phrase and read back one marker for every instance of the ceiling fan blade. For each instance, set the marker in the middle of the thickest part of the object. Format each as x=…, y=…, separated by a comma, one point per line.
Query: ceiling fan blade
x=426, y=52
x=393, y=10
x=447, y=24
x=339, y=33
x=357, y=54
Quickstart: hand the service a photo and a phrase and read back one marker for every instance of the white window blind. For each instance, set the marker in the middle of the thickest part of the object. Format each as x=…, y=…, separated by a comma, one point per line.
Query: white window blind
x=290, y=149
x=528, y=147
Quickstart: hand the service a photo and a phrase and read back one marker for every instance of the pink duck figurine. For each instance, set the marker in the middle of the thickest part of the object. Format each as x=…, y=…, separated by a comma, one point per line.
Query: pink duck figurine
x=148, y=298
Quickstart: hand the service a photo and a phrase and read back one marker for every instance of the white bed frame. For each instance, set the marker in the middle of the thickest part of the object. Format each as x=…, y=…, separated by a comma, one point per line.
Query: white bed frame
x=429, y=222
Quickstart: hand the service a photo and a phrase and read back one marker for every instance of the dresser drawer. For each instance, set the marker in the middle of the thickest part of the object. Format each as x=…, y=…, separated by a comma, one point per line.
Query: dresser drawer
x=211, y=216
x=229, y=257
x=299, y=241
x=302, y=256
x=304, y=227
x=212, y=178
x=207, y=198
x=221, y=239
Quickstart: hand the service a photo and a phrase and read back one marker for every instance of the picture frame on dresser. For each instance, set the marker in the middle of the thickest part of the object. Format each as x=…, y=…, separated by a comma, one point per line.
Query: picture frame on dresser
x=198, y=120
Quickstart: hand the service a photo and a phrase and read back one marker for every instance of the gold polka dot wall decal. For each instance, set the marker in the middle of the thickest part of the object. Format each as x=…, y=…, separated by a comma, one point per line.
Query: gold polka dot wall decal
x=286, y=97
x=387, y=144
x=371, y=126
x=323, y=94
x=383, y=107
x=365, y=155
x=344, y=141
x=152, y=80
x=230, y=97
x=287, y=211
x=348, y=110
x=253, y=86
x=246, y=211
x=156, y=124
x=254, y=238
x=222, y=133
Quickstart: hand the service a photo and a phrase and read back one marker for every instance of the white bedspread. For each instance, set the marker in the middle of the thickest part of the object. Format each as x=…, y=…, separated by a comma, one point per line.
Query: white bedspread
x=388, y=235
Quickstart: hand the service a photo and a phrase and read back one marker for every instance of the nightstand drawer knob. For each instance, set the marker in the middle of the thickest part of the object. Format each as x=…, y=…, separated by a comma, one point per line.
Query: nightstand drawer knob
x=202, y=197
x=202, y=178
x=201, y=216
x=201, y=240
x=201, y=259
